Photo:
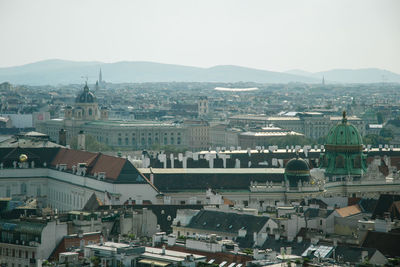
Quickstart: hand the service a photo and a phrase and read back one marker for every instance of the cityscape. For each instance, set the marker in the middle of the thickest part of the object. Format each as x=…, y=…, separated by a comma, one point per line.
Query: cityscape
x=109, y=158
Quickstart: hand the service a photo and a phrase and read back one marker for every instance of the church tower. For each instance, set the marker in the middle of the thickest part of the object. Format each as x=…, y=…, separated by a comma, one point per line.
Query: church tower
x=86, y=106
x=100, y=78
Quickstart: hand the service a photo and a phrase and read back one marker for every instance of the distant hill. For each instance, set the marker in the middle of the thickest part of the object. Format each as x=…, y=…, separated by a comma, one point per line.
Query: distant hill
x=53, y=72
x=370, y=75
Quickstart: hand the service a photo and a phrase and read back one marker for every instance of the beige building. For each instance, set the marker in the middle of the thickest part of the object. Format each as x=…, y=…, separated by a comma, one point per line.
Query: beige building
x=312, y=124
x=86, y=116
x=198, y=134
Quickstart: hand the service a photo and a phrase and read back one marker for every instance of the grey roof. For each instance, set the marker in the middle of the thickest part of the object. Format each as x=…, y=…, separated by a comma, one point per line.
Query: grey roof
x=275, y=245
x=352, y=254
x=320, y=213
x=229, y=222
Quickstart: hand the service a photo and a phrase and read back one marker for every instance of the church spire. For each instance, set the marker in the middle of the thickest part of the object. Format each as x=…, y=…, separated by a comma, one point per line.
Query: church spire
x=100, y=77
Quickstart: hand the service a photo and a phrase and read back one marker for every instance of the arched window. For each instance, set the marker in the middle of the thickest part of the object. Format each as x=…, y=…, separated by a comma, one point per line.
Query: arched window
x=339, y=162
x=357, y=162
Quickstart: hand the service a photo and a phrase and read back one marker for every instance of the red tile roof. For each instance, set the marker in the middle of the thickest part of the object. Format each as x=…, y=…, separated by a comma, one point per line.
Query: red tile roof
x=96, y=162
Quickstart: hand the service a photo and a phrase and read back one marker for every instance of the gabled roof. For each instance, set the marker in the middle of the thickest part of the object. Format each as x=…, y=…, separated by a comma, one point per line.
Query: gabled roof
x=119, y=170
x=229, y=222
x=349, y=211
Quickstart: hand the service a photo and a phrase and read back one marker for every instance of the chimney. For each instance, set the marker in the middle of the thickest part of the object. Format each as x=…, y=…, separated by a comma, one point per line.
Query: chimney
x=81, y=141
x=62, y=137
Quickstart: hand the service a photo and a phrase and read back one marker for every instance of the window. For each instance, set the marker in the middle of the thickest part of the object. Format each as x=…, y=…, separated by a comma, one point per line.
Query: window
x=165, y=140
x=172, y=140
x=126, y=141
x=143, y=141
x=8, y=191
x=339, y=161
x=38, y=191
x=133, y=141
x=178, y=140
x=357, y=162
x=149, y=141
x=90, y=112
x=23, y=189
x=119, y=141
x=320, y=222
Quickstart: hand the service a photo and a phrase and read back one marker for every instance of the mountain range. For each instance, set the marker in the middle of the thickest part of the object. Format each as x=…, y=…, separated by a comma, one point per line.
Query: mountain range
x=55, y=71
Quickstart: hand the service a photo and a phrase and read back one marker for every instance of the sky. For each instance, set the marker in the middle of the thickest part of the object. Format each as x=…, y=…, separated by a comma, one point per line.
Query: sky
x=278, y=35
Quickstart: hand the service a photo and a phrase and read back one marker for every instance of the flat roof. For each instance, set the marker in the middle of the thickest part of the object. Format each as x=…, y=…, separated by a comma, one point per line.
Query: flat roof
x=270, y=133
x=212, y=171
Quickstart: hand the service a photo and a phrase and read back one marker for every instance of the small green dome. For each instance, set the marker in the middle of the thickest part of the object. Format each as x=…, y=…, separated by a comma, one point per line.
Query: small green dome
x=344, y=137
x=297, y=166
x=297, y=169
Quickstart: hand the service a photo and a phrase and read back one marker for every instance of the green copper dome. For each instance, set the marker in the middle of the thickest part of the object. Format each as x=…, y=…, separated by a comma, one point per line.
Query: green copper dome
x=344, y=137
x=343, y=151
x=297, y=169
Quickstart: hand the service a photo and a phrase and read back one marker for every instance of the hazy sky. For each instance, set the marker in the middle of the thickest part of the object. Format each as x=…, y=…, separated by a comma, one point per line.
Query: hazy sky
x=279, y=35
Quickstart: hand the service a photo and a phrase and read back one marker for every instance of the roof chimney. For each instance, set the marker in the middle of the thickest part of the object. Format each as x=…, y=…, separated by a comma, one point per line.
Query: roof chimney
x=81, y=141
x=62, y=137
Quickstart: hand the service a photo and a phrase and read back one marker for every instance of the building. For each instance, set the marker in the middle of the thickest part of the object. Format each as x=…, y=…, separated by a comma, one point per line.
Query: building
x=93, y=120
x=119, y=254
x=68, y=178
x=198, y=134
x=202, y=106
x=24, y=243
x=313, y=125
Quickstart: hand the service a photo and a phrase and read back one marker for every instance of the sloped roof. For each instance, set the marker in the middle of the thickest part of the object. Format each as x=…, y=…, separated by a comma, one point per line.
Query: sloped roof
x=39, y=155
x=116, y=169
x=349, y=211
x=352, y=254
x=387, y=243
x=320, y=213
x=227, y=221
x=275, y=245
x=384, y=204
x=93, y=203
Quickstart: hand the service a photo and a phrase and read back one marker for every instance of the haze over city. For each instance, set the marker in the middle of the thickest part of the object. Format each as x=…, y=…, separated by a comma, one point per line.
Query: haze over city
x=310, y=35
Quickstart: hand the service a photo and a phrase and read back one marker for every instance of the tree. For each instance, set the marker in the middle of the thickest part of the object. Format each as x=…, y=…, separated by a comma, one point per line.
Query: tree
x=379, y=117
x=91, y=144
